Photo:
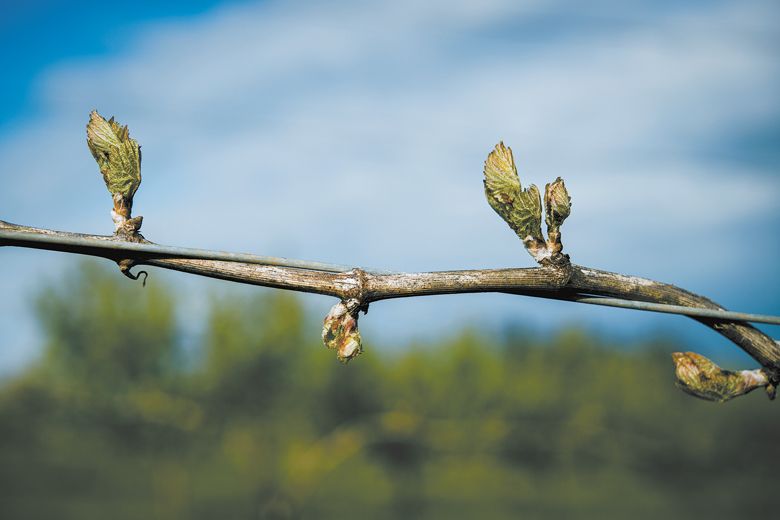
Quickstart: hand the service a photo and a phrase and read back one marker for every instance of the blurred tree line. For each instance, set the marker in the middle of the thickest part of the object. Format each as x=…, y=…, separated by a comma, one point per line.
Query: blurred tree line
x=119, y=420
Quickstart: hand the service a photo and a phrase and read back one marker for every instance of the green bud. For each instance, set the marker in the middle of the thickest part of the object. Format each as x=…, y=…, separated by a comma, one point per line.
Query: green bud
x=702, y=378
x=557, y=203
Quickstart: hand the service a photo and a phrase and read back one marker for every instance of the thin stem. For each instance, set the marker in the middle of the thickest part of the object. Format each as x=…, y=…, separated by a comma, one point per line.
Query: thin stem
x=575, y=283
x=116, y=247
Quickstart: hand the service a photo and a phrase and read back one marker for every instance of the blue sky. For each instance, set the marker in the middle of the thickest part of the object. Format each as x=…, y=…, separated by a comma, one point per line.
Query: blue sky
x=38, y=33
x=274, y=127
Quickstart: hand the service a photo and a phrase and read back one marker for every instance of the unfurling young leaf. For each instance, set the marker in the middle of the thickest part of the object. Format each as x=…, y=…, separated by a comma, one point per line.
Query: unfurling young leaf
x=119, y=159
x=117, y=155
x=702, y=378
x=520, y=208
x=340, y=332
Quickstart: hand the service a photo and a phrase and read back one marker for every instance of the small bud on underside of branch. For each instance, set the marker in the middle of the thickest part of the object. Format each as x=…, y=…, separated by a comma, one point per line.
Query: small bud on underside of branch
x=700, y=377
x=119, y=159
x=340, y=330
x=522, y=208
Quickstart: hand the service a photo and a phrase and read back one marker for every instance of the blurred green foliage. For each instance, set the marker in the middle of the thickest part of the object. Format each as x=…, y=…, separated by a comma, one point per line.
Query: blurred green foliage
x=117, y=421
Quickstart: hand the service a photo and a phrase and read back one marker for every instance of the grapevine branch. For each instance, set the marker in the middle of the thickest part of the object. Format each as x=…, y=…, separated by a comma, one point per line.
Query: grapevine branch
x=119, y=159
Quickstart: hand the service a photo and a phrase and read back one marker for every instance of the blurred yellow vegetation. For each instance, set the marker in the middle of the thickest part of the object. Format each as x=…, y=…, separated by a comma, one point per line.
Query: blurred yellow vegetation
x=120, y=420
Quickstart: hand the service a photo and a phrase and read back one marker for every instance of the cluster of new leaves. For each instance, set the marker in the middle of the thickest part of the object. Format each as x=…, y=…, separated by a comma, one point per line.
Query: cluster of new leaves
x=521, y=208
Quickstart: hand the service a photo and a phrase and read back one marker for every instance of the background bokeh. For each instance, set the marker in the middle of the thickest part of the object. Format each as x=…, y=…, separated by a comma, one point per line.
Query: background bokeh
x=124, y=417
x=354, y=132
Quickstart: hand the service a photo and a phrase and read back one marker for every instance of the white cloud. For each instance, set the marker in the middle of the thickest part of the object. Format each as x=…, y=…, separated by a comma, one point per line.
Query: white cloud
x=264, y=125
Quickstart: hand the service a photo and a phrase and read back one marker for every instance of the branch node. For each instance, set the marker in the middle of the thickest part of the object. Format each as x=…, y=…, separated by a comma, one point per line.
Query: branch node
x=358, y=292
x=128, y=229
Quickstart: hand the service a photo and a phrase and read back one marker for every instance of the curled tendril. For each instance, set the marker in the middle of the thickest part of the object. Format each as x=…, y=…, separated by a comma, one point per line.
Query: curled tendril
x=137, y=276
x=126, y=265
